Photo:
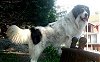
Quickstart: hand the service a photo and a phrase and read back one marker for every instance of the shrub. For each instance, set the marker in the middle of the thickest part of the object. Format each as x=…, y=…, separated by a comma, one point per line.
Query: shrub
x=50, y=54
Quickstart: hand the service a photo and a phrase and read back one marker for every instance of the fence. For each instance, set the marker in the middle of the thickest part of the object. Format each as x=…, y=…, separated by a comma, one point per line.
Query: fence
x=76, y=55
x=92, y=46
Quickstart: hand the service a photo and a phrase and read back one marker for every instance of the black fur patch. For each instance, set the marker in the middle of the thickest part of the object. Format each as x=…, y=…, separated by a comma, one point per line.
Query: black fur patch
x=80, y=9
x=35, y=35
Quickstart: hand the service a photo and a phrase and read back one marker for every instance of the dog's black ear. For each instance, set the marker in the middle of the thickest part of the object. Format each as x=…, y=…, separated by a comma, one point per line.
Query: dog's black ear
x=75, y=12
x=78, y=9
x=35, y=35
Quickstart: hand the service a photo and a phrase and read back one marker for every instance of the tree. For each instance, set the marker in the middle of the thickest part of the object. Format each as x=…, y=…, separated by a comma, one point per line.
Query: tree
x=34, y=12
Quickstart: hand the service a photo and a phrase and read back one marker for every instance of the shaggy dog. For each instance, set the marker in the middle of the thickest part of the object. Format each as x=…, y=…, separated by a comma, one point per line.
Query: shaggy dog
x=57, y=33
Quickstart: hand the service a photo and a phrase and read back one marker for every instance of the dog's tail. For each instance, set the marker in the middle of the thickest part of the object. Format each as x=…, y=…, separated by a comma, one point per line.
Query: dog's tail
x=18, y=35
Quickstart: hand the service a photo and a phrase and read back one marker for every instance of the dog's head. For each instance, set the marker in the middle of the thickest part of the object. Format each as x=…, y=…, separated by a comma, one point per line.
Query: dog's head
x=82, y=11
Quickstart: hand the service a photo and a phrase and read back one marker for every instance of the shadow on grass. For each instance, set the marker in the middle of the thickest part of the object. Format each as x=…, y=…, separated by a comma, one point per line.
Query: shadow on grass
x=12, y=57
x=50, y=54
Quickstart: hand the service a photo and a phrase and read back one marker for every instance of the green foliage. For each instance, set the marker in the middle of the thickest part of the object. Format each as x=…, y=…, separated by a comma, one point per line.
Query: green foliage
x=41, y=12
x=8, y=57
x=32, y=12
x=50, y=54
x=35, y=12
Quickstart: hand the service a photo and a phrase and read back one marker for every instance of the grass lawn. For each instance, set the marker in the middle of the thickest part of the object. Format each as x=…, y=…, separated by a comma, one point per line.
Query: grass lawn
x=48, y=55
x=12, y=57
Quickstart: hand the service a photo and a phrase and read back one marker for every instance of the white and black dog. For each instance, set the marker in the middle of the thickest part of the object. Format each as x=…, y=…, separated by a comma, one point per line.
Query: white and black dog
x=56, y=33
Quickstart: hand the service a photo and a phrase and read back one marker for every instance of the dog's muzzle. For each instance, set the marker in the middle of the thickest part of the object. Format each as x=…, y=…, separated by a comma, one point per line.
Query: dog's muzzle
x=85, y=18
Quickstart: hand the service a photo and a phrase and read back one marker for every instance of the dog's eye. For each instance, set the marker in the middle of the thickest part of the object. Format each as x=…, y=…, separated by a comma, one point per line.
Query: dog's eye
x=87, y=10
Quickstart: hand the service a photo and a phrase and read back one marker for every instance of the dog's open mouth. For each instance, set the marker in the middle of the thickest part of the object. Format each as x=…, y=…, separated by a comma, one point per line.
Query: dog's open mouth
x=84, y=19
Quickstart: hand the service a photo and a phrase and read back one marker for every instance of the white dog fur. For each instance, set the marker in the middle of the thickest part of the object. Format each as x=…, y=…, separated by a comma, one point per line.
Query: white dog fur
x=56, y=33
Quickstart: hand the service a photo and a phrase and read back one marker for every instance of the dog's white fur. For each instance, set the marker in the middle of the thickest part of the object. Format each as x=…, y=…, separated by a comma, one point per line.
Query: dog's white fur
x=57, y=33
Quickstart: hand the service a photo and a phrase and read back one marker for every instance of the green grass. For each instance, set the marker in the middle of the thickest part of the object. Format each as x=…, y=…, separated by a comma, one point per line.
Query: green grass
x=4, y=57
x=50, y=54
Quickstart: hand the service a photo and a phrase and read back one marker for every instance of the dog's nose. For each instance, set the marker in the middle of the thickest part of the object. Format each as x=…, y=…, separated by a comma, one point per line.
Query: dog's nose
x=86, y=14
